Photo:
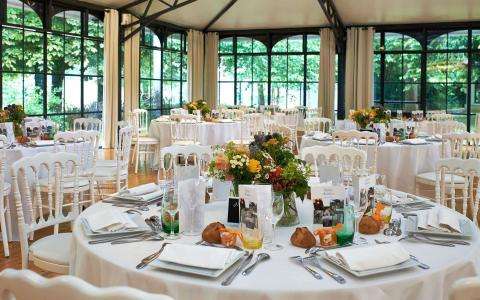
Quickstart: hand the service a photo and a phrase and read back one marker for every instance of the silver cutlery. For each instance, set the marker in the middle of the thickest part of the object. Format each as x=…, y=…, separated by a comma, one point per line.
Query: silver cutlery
x=427, y=241
x=203, y=243
x=260, y=257
x=234, y=274
x=115, y=238
x=421, y=265
x=314, y=250
x=452, y=241
x=316, y=263
x=306, y=267
x=381, y=242
x=145, y=238
x=145, y=261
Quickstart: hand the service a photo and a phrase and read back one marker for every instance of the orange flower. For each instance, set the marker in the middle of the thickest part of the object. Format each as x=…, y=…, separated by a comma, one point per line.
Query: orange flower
x=254, y=166
x=221, y=162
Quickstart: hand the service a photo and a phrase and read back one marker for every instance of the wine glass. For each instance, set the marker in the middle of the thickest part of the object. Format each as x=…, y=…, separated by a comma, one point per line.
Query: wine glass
x=170, y=207
x=275, y=216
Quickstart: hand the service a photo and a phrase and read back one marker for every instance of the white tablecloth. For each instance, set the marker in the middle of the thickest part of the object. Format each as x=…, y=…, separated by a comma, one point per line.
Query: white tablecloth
x=399, y=162
x=278, y=278
x=208, y=133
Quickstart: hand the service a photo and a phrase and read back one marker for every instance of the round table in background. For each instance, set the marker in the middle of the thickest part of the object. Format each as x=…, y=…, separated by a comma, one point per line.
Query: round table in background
x=279, y=278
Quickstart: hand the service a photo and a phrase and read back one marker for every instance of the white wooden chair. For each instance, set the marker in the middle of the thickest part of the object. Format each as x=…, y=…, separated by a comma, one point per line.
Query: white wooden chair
x=469, y=169
x=5, y=188
x=178, y=111
x=359, y=140
x=442, y=127
x=51, y=253
x=184, y=132
x=141, y=141
x=28, y=285
x=440, y=116
x=465, y=289
x=313, y=113
x=285, y=131
x=116, y=170
x=349, y=160
x=87, y=124
x=317, y=124
x=178, y=160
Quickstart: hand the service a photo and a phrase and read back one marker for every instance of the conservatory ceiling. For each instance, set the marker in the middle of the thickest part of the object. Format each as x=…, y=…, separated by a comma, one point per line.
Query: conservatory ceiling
x=263, y=14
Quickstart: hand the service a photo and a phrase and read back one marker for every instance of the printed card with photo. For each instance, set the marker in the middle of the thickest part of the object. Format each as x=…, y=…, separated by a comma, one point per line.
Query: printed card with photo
x=325, y=198
x=255, y=203
x=364, y=191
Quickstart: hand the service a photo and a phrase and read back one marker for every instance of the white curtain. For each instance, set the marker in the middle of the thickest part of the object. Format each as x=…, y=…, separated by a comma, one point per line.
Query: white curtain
x=110, y=79
x=131, y=66
x=359, y=74
x=210, y=71
x=326, y=78
x=195, y=64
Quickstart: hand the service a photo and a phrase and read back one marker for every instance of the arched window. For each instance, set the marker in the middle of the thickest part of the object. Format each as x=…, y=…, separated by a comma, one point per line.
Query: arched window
x=163, y=72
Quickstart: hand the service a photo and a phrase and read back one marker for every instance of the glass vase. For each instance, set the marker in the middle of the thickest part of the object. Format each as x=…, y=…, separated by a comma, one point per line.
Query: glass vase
x=290, y=215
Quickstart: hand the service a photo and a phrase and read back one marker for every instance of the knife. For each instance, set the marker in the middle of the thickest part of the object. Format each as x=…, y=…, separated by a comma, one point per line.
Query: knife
x=232, y=276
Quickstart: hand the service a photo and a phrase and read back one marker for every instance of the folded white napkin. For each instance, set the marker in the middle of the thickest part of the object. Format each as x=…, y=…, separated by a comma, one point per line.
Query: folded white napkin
x=141, y=189
x=370, y=257
x=225, y=121
x=109, y=220
x=416, y=141
x=198, y=256
x=438, y=219
x=44, y=143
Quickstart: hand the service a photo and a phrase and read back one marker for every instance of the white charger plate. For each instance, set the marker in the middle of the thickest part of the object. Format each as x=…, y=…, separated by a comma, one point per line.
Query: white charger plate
x=142, y=227
x=465, y=227
x=212, y=273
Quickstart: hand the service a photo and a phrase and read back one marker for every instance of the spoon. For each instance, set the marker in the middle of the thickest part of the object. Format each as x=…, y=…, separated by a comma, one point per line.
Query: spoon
x=260, y=257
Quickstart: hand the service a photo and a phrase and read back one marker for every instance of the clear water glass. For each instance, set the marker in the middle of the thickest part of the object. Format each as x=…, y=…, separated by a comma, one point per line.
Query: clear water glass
x=278, y=209
x=170, y=209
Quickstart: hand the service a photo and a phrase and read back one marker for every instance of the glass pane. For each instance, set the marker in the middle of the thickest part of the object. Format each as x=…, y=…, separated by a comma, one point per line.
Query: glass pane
x=174, y=41
x=258, y=47
x=476, y=67
x=410, y=106
x=436, y=96
x=409, y=43
x=312, y=95
x=167, y=65
x=72, y=22
x=377, y=68
x=175, y=65
x=244, y=68
x=72, y=55
x=295, y=67
x=294, y=95
x=167, y=94
x=33, y=93
x=476, y=39
x=313, y=65
x=72, y=94
x=411, y=92
x=225, y=93
x=244, y=93
x=15, y=12
x=185, y=92
x=93, y=52
x=475, y=98
x=280, y=46
x=436, y=67
x=393, y=105
x=12, y=56
x=226, y=68
x=260, y=68
x=457, y=67
x=259, y=93
x=225, y=45
x=279, y=94
x=377, y=91
x=145, y=94
x=393, y=67
x=393, y=92
x=150, y=38
x=279, y=68
x=295, y=43
x=313, y=43
x=457, y=98
x=155, y=94
x=377, y=41
x=55, y=94
x=412, y=67
x=146, y=63
x=393, y=41
x=244, y=45
x=93, y=93
x=438, y=42
x=12, y=86
x=95, y=27
x=458, y=39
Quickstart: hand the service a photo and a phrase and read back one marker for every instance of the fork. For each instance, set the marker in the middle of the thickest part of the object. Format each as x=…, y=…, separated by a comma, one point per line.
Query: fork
x=316, y=263
x=145, y=261
x=306, y=267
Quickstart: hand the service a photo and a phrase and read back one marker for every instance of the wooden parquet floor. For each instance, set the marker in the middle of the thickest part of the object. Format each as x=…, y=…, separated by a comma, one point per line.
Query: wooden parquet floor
x=15, y=261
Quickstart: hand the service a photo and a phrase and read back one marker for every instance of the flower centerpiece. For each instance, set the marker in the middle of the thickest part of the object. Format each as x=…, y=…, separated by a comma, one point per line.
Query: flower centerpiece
x=266, y=160
x=200, y=105
x=366, y=117
x=13, y=113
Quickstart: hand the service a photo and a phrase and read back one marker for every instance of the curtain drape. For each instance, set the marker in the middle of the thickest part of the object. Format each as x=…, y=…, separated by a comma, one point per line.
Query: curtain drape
x=358, y=73
x=326, y=78
x=195, y=64
x=210, y=70
x=110, y=79
x=131, y=65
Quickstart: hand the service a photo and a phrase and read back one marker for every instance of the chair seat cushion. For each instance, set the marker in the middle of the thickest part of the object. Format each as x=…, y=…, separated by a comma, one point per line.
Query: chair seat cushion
x=67, y=183
x=430, y=178
x=185, y=143
x=53, y=248
x=6, y=188
x=107, y=171
x=145, y=140
x=106, y=163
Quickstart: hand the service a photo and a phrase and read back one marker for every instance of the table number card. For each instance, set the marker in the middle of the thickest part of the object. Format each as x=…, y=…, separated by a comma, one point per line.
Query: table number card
x=6, y=129
x=233, y=210
x=323, y=197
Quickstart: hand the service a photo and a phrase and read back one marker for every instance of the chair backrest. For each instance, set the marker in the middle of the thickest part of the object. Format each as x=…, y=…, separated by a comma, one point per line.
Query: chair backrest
x=465, y=289
x=83, y=143
x=313, y=113
x=122, y=150
x=317, y=124
x=26, y=285
x=448, y=126
x=440, y=117
x=417, y=115
x=461, y=145
x=359, y=140
x=139, y=120
x=184, y=131
x=3, y=165
x=254, y=122
x=285, y=131
x=178, y=111
x=350, y=160
x=469, y=169
x=176, y=157
x=87, y=124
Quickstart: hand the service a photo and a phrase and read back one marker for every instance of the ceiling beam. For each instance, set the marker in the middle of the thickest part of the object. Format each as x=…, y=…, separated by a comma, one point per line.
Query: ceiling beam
x=220, y=14
x=131, y=4
x=147, y=8
x=335, y=21
x=145, y=21
x=166, y=3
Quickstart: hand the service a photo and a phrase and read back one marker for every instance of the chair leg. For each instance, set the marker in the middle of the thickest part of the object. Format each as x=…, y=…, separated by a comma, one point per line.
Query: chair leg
x=9, y=221
x=417, y=189
x=137, y=156
x=3, y=228
x=92, y=192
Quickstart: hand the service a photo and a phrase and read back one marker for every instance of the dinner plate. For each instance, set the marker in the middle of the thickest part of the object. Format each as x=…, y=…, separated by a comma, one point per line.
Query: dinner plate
x=212, y=273
x=465, y=227
x=142, y=227
x=402, y=266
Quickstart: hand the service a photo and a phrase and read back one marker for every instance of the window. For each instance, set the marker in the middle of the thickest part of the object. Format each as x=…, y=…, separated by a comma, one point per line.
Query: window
x=287, y=75
x=429, y=70
x=53, y=72
x=163, y=72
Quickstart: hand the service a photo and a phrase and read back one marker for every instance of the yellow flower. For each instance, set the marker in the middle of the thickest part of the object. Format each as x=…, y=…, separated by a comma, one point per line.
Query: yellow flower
x=254, y=166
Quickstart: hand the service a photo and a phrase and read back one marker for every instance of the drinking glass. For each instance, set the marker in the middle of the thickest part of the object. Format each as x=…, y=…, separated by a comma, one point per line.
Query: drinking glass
x=170, y=209
x=275, y=216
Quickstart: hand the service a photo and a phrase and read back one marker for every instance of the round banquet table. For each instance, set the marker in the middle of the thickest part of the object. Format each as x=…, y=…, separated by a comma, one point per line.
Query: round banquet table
x=209, y=133
x=279, y=278
x=399, y=162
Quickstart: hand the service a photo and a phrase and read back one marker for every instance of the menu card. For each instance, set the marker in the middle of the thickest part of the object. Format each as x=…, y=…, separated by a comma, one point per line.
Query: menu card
x=364, y=191
x=254, y=204
x=326, y=198
x=381, y=130
x=6, y=129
